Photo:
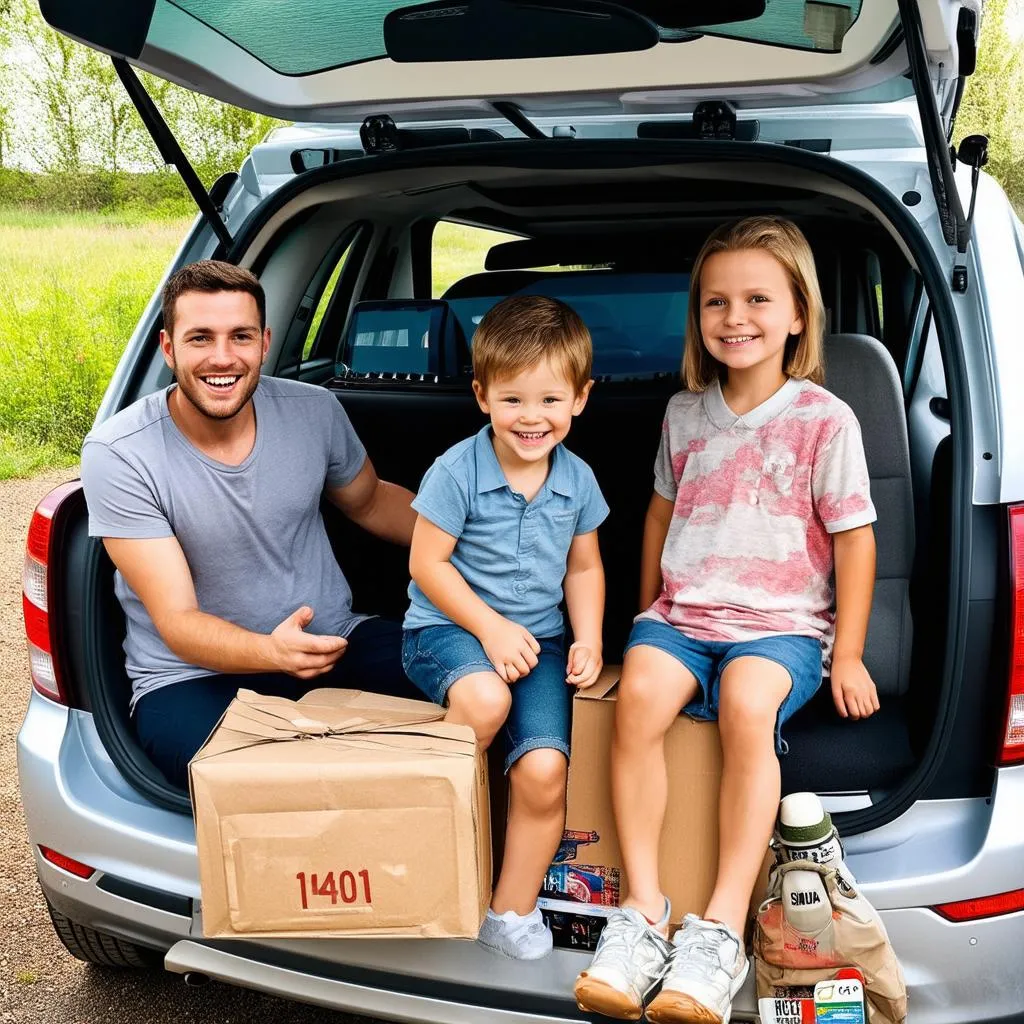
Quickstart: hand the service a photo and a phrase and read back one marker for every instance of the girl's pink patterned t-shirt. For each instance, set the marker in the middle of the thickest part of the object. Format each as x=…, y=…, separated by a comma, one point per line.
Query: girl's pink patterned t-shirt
x=756, y=497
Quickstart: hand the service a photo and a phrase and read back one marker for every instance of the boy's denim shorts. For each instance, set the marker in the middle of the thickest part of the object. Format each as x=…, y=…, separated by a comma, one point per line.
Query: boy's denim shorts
x=435, y=657
x=706, y=659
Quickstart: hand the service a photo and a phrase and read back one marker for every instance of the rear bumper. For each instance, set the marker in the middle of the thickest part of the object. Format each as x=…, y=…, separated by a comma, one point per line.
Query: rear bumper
x=956, y=973
x=76, y=803
x=336, y=994
x=959, y=973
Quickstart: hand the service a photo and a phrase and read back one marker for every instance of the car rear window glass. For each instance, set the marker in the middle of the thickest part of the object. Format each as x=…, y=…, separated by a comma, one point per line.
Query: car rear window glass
x=458, y=250
x=303, y=37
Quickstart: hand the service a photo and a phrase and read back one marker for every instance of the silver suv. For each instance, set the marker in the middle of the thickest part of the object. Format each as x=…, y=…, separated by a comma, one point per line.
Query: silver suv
x=605, y=139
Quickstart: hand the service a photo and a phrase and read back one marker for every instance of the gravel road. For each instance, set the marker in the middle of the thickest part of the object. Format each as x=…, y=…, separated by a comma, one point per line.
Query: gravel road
x=40, y=983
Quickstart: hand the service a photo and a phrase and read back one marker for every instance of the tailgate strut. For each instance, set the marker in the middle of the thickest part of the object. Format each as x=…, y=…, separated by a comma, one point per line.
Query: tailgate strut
x=956, y=229
x=169, y=148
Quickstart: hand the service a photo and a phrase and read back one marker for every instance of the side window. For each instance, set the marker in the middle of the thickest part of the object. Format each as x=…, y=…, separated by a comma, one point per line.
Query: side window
x=876, y=306
x=459, y=250
x=336, y=280
x=321, y=307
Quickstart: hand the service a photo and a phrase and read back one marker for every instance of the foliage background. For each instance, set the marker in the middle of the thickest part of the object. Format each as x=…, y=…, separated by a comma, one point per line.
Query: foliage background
x=89, y=216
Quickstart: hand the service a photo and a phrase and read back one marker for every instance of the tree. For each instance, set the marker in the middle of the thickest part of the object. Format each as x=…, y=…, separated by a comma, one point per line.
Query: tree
x=82, y=119
x=116, y=131
x=992, y=100
x=54, y=81
x=215, y=136
x=6, y=127
x=6, y=106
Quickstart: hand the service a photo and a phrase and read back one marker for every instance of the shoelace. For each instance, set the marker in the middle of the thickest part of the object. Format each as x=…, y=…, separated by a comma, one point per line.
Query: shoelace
x=698, y=944
x=619, y=942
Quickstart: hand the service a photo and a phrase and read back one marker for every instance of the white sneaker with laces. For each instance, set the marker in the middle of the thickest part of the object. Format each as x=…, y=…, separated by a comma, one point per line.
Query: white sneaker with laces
x=630, y=960
x=516, y=936
x=708, y=967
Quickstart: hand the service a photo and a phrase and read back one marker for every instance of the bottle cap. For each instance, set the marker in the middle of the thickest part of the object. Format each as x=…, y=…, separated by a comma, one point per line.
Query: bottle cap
x=802, y=819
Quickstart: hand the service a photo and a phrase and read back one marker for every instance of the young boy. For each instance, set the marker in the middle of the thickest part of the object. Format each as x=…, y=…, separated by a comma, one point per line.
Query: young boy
x=506, y=519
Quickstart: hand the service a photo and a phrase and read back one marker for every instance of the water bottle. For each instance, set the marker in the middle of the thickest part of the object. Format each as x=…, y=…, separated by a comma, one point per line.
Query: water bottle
x=806, y=831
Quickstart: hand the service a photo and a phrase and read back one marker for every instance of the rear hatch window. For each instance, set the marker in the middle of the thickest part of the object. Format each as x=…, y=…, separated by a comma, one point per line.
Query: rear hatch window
x=303, y=37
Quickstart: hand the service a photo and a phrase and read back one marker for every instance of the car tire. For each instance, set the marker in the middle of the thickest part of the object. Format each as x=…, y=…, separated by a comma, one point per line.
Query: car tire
x=97, y=948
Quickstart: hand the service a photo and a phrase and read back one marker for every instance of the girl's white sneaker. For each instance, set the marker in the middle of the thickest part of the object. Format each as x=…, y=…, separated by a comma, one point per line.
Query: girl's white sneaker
x=630, y=959
x=707, y=969
x=516, y=936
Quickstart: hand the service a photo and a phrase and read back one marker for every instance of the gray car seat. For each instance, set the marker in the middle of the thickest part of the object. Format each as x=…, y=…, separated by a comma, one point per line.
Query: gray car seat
x=860, y=371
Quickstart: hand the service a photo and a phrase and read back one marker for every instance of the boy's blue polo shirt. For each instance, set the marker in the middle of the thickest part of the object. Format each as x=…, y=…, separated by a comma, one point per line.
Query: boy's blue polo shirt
x=511, y=552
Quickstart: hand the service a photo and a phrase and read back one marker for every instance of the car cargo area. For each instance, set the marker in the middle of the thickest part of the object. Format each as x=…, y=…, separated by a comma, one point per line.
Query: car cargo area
x=614, y=238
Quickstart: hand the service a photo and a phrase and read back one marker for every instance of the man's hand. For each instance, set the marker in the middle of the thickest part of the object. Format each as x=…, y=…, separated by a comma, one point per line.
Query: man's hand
x=584, y=666
x=511, y=649
x=853, y=690
x=301, y=654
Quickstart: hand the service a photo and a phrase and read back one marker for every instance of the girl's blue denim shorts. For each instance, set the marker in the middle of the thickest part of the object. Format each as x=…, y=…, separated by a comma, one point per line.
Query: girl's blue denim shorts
x=435, y=657
x=706, y=659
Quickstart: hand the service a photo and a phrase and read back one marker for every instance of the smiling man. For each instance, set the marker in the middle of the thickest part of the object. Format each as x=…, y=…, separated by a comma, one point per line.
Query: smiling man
x=207, y=498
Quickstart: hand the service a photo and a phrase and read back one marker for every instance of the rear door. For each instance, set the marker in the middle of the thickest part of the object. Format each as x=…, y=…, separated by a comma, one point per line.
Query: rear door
x=345, y=60
x=340, y=60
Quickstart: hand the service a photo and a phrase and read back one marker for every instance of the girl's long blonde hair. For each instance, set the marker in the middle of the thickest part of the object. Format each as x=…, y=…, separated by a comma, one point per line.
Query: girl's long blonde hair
x=786, y=242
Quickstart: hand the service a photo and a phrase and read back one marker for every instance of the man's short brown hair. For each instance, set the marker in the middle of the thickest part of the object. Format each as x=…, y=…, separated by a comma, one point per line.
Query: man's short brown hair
x=211, y=276
x=520, y=331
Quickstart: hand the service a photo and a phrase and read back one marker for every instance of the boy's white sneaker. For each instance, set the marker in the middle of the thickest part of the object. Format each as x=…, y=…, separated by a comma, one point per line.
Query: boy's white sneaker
x=516, y=936
x=707, y=969
x=630, y=960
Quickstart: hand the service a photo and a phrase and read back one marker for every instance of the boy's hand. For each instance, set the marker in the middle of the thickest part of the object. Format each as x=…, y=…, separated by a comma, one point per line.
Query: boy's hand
x=511, y=649
x=853, y=690
x=584, y=666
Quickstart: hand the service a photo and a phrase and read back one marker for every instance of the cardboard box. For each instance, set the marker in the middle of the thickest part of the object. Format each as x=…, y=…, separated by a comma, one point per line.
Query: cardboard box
x=344, y=813
x=689, y=839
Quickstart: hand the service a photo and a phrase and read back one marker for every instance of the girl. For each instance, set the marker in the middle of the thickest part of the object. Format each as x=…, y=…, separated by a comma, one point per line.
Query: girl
x=761, y=492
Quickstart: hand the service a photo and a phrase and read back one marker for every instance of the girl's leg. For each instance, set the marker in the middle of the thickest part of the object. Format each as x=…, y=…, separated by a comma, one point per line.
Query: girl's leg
x=752, y=691
x=655, y=687
x=481, y=700
x=536, y=817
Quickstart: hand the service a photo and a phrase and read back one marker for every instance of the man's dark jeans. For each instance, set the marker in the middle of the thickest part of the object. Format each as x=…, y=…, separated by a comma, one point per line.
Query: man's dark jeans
x=174, y=721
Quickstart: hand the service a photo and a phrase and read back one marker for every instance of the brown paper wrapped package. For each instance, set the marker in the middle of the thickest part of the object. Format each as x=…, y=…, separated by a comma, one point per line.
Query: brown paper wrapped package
x=345, y=813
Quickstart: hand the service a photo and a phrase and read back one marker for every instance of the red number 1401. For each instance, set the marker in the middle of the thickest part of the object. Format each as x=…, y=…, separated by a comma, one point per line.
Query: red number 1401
x=346, y=887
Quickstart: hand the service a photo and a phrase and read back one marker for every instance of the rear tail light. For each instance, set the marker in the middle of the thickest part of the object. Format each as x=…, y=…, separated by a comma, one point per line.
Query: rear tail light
x=986, y=906
x=1012, y=747
x=37, y=592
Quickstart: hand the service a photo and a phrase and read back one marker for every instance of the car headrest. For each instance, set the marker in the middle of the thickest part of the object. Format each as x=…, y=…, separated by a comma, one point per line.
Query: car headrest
x=405, y=336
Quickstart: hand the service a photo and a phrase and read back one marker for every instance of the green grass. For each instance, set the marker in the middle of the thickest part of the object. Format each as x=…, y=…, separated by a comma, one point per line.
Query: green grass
x=72, y=288
x=20, y=457
x=459, y=251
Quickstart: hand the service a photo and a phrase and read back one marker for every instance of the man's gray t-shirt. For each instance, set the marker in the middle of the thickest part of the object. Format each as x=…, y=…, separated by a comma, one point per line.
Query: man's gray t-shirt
x=252, y=534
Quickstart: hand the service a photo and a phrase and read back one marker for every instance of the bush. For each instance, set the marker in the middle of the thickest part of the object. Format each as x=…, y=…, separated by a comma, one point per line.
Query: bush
x=158, y=194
